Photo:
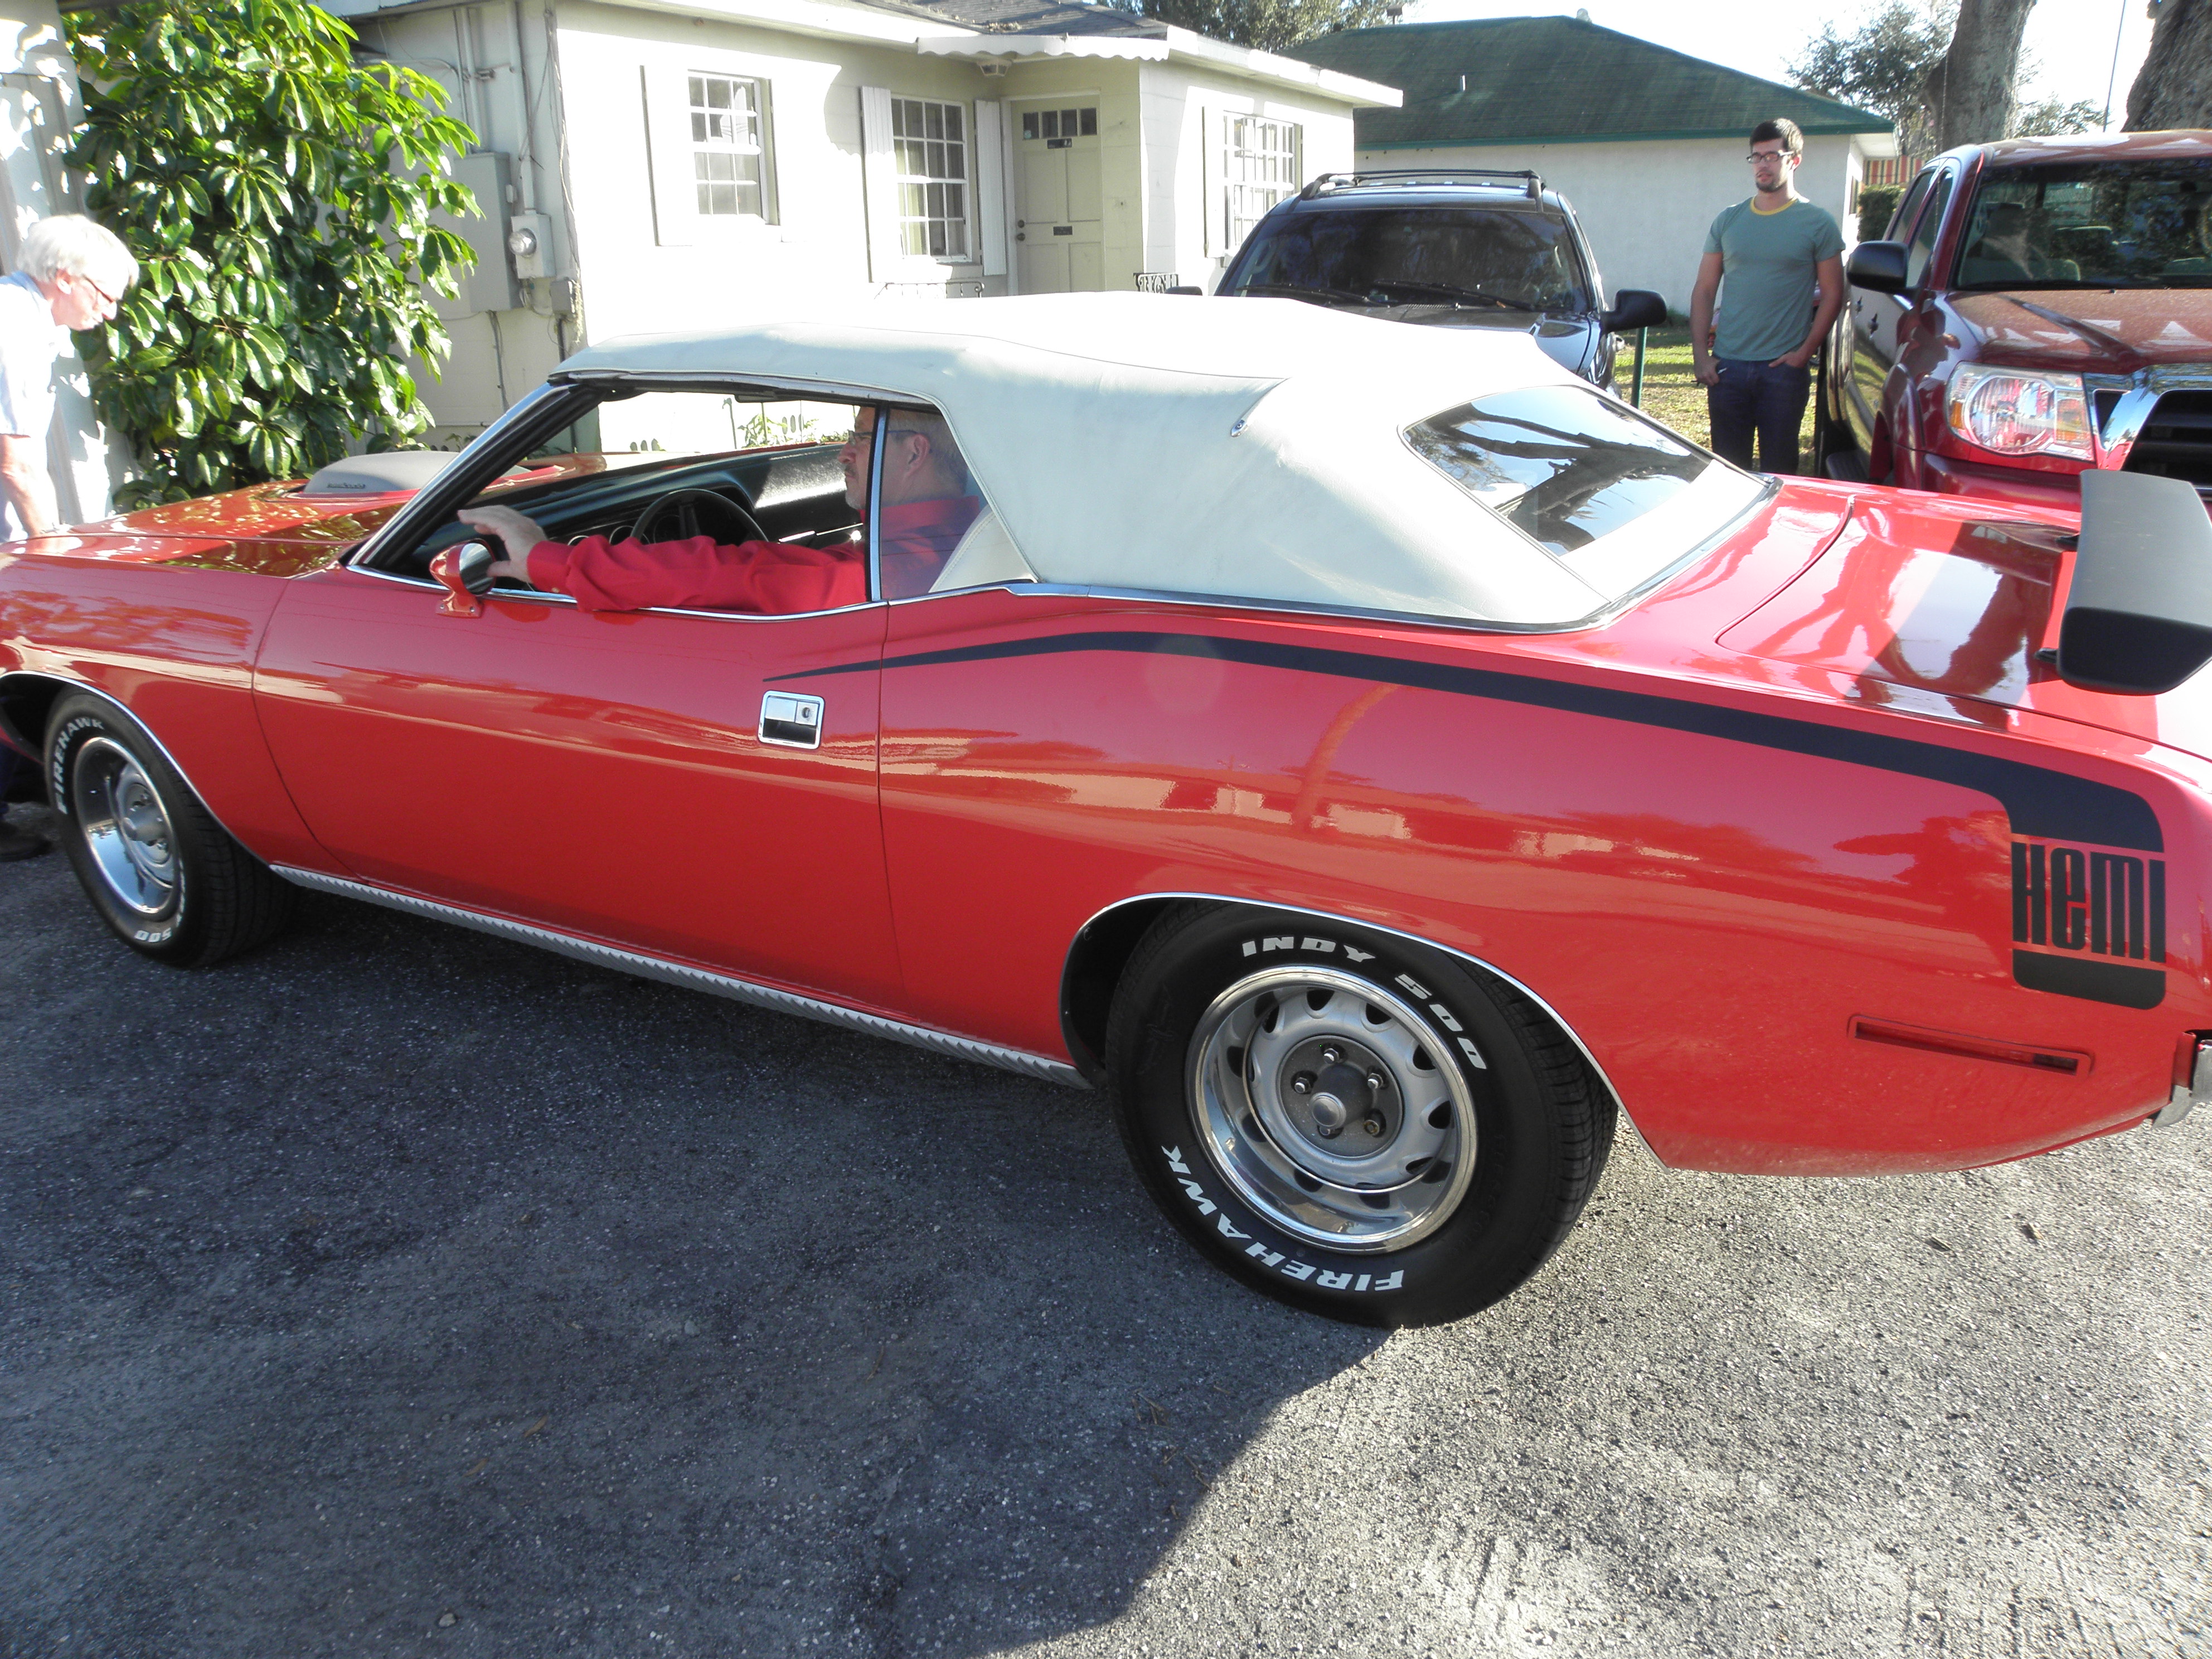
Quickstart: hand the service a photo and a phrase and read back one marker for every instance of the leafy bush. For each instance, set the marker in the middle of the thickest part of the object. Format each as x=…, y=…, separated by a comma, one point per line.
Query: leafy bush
x=277, y=194
x=1876, y=204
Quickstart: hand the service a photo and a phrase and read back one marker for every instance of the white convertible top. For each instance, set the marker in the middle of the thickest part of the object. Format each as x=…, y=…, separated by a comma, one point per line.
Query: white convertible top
x=1244, y=448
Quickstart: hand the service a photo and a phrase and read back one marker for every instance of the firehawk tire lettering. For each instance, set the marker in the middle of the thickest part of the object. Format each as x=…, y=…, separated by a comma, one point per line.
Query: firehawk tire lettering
x=1347, y=1120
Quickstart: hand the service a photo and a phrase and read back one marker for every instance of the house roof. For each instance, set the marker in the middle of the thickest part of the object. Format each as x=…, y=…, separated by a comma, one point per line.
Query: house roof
x=1028, y=17
x=1558, y=80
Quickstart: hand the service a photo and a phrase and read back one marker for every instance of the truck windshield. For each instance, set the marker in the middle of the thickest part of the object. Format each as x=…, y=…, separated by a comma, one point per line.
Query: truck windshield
x=1479, y=256
x=2100, y=224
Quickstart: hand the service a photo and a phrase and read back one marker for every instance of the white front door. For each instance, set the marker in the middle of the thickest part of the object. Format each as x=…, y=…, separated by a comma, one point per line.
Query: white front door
x=1057, y=221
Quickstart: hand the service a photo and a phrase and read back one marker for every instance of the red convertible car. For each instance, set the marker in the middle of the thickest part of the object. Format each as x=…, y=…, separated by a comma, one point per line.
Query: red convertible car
x=1378, y=759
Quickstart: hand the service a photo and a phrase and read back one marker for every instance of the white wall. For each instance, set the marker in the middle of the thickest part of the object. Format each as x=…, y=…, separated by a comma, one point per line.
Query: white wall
x=1646, y=207
x=38, y=103
x=1180, y=180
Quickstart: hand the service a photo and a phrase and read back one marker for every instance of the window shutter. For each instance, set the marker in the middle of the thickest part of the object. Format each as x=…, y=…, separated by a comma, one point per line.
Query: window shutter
x=879, y=185
x=668, y=141
x=991, y=186
x=1212, y=199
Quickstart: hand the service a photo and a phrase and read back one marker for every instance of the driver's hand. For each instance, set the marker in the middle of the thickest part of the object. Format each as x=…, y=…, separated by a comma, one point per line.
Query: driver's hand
x=515, y=532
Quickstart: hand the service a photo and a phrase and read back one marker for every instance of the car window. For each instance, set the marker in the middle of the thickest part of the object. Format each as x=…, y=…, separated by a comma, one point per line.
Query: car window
x=1414, y=255
x=1922, y=248
x=1577, y=471
x=2105, y=224
x=1900, y=222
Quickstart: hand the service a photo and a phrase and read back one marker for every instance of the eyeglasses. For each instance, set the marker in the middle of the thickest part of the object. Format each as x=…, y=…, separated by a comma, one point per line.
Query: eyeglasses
x=112, y=302
x=1759, y=155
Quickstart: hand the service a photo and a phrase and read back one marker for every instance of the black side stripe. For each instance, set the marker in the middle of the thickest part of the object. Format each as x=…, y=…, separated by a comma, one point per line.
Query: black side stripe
x=2041, y=802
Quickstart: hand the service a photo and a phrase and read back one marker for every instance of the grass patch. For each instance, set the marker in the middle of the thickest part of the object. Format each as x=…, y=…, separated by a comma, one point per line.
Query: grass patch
x=1672, y=394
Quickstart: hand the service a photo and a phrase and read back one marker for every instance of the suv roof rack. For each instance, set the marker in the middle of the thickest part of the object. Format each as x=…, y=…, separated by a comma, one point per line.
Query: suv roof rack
x=1328, y=181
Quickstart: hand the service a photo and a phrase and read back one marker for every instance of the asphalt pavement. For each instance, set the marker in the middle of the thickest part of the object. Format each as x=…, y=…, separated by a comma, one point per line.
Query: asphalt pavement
x=397, y=1290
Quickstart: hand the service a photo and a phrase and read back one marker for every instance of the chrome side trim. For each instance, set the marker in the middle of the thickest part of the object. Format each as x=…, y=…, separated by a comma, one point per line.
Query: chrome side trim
x=1412, y=938
x=55, y=795
x=695, y=978
x=2185, y=1097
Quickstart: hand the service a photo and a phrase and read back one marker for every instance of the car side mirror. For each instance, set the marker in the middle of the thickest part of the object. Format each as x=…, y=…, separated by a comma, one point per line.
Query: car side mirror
x=465, y=571
x=1878, y=266
x=2138, y=618
x=1634, y=308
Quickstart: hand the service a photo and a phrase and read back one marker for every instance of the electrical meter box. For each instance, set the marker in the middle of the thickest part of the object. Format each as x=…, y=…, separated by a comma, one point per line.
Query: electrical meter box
x=490, y=284
x=529, y=243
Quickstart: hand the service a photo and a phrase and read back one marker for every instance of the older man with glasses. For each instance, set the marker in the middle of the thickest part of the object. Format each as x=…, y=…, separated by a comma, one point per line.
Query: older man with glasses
x=72, y=274
x=1777, y=252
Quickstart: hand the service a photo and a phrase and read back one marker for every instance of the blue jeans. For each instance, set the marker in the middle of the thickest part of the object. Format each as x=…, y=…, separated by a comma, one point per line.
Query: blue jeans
x=1765, y=398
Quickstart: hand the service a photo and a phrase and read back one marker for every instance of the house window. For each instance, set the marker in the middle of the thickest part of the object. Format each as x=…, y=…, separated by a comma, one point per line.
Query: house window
x=1060, y=123
x=929, y=147
x=1259, y=168
x=726, y=145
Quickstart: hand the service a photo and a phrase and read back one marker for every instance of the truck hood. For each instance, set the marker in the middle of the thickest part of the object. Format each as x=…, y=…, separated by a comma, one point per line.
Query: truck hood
x=2093, y=330
x=1920, y=608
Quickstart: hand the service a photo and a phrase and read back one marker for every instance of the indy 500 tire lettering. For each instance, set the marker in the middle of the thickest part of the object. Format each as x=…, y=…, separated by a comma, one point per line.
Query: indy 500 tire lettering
x=1350, y=1121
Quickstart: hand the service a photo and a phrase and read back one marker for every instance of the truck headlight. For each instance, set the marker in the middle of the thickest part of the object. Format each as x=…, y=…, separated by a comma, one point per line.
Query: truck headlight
x=2012, y=411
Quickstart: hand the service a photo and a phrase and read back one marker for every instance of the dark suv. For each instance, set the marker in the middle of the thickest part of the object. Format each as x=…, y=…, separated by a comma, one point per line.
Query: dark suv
x=1454, y=248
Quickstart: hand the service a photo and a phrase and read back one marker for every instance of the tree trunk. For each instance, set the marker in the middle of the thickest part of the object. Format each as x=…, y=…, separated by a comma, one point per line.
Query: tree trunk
x=1972, y=88
x=2173, y=89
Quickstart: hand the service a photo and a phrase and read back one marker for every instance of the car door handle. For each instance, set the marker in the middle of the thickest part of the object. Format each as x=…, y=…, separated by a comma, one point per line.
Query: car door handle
x=791, y=721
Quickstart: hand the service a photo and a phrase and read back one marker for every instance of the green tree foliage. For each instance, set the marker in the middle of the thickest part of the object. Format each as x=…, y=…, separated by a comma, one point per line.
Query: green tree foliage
x=1269, y=24
x=2049, y=118
x=1883, y=64
x=277, y=194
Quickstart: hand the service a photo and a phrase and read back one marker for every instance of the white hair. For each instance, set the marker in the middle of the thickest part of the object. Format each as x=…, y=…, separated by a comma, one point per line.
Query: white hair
x=70, y=244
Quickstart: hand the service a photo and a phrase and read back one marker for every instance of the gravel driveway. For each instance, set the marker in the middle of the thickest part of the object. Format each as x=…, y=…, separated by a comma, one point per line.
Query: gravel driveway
x=399, y=1291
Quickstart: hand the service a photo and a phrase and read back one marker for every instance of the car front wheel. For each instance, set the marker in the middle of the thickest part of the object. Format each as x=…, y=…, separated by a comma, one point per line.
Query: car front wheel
x=1353, y=1123
x=162, y=872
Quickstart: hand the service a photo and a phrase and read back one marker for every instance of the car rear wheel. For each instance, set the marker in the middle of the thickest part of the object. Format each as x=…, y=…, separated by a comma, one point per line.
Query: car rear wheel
x=158, y=868
x=1363, y=1127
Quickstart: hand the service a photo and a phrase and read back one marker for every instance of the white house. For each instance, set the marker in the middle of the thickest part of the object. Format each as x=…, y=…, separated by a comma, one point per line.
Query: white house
x=1648, y=144
x=39, y=103
x=650, y=166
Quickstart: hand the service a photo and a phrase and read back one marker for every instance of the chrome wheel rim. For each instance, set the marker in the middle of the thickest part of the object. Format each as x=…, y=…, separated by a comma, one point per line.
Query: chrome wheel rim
x=126, y=827
x=1323, y=1100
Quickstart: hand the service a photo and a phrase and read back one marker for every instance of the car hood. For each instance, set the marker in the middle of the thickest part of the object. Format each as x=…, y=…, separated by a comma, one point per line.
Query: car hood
x=1565, y=340
x=1929, y=609
x=2099, y=331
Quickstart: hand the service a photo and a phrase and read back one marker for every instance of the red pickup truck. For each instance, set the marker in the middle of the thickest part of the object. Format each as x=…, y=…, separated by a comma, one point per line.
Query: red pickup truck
x=2040, y=307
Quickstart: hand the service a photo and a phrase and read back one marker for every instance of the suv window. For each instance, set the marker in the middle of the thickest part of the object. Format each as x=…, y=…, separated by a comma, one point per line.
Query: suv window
x=1923, y=248
x=2102, y=224
x=1900, y=222
x=1518, y=260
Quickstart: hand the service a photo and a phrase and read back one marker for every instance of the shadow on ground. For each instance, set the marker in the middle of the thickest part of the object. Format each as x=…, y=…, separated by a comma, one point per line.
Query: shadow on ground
x=397, y=1290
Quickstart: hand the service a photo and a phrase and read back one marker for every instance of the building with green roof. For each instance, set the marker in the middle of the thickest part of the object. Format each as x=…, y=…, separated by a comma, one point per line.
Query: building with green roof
x=1646, y=142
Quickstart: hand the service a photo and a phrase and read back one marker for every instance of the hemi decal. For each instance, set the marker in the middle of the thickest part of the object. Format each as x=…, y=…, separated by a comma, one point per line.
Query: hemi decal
x=2106, y=911
x=2043, y=803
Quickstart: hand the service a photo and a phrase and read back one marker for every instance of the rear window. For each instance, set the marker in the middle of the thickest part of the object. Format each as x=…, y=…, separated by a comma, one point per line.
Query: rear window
x=1479, y=256
x=1613, y=495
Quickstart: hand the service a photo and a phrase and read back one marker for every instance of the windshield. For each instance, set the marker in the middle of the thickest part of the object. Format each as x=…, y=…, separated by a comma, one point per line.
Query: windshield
x=2100, y=224
x=1487, y=258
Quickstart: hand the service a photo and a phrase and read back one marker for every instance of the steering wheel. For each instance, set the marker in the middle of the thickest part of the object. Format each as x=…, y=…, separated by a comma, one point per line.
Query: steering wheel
x=682, y=514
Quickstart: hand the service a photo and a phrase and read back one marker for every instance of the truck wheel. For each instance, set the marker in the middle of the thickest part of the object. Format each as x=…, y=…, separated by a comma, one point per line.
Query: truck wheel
x=160, y=871
x=1363, y=1127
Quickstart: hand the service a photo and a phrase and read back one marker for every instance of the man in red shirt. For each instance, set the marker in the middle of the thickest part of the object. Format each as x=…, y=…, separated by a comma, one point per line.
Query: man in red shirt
x=927, y=506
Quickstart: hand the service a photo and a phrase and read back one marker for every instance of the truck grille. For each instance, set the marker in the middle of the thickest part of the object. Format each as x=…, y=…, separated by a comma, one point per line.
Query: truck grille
x=2176, y=442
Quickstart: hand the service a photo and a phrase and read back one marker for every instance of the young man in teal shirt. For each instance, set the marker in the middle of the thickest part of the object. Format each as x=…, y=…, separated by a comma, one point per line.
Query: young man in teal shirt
x=1775, y=251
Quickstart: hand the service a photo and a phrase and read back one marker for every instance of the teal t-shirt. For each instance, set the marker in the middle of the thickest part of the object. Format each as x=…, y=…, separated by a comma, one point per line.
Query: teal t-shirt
x=1767, y=262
